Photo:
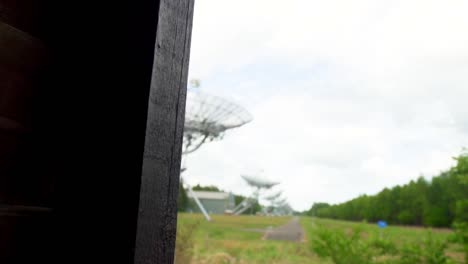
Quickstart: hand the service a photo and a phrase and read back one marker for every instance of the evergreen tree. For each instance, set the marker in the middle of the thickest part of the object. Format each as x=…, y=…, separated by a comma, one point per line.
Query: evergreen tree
x=437, y=203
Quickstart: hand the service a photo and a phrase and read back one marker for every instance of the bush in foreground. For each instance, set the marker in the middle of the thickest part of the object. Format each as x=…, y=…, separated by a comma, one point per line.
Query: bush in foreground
x=353, y=248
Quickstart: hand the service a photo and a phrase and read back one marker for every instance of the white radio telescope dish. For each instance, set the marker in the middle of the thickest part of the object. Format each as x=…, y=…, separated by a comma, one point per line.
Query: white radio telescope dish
x=273, y=196
x=207, y=117
x=259, y=182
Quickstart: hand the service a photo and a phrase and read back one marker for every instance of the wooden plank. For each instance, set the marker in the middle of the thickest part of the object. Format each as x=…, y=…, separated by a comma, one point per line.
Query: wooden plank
x=25, y=225
x=22, y=60
x=26, y=15
x=26, y=232
x=16, y=92
x=157, y=217
x=20, y=51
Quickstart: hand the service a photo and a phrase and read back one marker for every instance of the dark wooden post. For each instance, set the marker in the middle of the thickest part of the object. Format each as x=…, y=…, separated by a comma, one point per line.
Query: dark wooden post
x=92, y=98
x=157, y=218
x=25, y=187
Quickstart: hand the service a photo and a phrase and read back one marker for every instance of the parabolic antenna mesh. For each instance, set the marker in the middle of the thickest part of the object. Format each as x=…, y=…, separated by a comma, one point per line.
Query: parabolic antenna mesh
x=207, y=117
x=274, y=196
x=259, y=182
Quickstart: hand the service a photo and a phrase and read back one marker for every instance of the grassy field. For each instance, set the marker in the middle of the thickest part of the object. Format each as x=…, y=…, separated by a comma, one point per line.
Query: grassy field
x=238, y=239
x=400, y=236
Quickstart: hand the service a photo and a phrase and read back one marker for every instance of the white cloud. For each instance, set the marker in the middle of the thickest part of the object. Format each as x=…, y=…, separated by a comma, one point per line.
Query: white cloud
x=361, y=94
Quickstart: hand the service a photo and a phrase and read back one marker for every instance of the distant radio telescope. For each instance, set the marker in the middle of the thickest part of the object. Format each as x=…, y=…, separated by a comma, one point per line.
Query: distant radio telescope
x=273, y=197
x=258, y=183
x=207, y=118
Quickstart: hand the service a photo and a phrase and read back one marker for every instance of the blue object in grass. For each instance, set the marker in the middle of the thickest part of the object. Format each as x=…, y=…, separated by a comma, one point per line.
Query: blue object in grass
x=382, y=224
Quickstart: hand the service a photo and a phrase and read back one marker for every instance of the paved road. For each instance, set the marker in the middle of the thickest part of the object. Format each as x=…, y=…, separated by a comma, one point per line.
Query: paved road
x=292, y=231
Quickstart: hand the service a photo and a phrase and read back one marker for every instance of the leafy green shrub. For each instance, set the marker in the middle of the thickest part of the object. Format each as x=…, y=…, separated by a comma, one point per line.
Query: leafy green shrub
x=434, y=250
x=410, y=254
x=341, y=247
x=431, y=251
x=383, y=246
x=461, y=236
x=351, y=248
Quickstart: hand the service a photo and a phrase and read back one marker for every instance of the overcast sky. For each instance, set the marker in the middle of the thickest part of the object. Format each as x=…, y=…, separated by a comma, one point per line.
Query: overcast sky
x=348, y=97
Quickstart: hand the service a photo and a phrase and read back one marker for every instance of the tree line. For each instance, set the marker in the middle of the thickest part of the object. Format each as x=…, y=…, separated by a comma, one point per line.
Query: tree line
x=437, y=203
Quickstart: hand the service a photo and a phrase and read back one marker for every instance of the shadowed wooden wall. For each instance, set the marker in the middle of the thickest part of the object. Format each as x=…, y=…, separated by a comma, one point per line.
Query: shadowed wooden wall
x=92, y=99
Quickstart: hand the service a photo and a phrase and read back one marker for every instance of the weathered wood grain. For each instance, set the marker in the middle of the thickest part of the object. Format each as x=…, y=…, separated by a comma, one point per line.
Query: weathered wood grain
x=157, y=218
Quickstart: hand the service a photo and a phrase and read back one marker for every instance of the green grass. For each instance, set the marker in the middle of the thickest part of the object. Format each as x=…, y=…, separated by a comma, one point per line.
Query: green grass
x=237, y=239
x=398, y=234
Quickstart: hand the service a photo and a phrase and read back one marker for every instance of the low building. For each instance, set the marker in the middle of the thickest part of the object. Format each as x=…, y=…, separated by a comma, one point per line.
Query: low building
x=213, y=202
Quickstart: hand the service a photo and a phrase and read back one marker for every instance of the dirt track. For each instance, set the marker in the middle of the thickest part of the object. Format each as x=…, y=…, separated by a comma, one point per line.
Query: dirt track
x=292, y=231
